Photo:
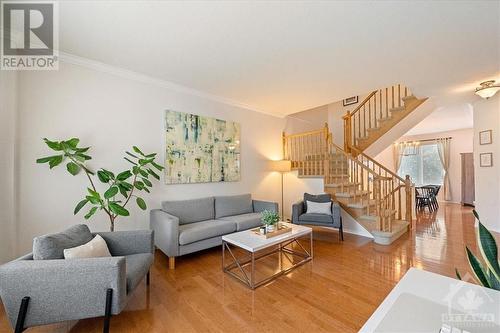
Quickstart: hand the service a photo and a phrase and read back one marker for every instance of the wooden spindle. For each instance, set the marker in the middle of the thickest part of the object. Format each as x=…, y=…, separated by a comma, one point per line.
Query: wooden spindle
x=380, y=101
x=369, y=114
x=399, y=95
x=387, y=102
x=392, y=97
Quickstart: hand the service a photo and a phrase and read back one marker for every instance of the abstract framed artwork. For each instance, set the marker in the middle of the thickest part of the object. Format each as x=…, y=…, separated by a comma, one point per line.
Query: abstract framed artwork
x=201, y=149
x=485, y=137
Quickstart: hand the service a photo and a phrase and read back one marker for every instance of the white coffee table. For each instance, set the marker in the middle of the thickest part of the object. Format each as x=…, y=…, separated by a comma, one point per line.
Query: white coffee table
x=252, y=243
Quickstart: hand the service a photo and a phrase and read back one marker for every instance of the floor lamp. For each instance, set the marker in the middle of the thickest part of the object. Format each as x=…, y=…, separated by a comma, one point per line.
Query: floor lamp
x=281, y=166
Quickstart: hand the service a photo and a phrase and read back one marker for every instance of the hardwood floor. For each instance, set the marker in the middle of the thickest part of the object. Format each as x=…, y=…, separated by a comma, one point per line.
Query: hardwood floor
x=336, y=292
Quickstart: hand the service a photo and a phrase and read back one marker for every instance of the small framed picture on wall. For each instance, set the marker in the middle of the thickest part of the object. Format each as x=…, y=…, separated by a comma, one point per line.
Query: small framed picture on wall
x=485, y=137
x=350, y=101
x=486, y=159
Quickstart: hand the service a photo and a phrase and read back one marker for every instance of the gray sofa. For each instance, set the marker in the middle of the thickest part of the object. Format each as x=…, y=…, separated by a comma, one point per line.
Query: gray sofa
x=51, y=289
x=334, y=220
x=187, y=226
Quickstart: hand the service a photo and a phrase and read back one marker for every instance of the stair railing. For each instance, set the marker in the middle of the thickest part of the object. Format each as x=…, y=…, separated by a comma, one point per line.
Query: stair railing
x=366, y=116
x=368, y=182
x=307, y=151
x=399, y=184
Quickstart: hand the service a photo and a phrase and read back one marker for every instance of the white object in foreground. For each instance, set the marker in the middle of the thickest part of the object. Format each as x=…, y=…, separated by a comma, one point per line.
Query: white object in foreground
x=427, y=302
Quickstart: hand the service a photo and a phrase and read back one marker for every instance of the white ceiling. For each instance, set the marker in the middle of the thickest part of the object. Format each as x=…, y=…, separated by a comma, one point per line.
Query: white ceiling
x=282, y=57
x=444, y=119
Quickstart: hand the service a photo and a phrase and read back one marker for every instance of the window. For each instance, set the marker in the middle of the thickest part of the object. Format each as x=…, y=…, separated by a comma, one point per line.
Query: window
x=424, y=167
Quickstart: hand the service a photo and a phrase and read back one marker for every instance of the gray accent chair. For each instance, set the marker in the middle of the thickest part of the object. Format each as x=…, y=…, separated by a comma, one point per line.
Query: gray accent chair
x=188, y=226
x=300, y=215
x=43, y=288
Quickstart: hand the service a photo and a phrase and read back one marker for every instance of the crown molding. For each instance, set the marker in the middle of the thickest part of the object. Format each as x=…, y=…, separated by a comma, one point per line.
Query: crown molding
x=135, y=76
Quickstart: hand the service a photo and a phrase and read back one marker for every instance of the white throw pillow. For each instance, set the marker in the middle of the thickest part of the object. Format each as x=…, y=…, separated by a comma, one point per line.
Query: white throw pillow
x=97, y=247
x=319, y=207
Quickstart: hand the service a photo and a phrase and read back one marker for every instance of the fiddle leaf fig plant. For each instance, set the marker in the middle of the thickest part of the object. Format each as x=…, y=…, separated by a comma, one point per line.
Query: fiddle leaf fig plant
x=118, y=190
x=488, y=274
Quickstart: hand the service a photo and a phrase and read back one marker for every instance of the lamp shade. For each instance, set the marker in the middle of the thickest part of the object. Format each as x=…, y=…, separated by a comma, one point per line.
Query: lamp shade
x=281, y=165
x=487, y=89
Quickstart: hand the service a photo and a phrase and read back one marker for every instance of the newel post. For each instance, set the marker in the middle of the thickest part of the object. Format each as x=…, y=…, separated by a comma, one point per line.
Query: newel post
x=377, y=197
x=409, y=204
x=347, y=132
x=283, y=142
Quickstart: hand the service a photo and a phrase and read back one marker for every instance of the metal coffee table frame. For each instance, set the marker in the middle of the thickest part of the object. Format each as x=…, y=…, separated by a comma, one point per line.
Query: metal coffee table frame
x=281, y=248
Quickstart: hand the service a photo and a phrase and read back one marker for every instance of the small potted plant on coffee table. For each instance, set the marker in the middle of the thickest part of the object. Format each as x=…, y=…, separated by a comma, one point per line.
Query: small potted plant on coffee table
x=269, y=219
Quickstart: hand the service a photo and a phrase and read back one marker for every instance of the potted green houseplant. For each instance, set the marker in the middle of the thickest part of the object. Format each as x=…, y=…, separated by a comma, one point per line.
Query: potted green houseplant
x=118, y=189
x=269, y=219
x=486, y=272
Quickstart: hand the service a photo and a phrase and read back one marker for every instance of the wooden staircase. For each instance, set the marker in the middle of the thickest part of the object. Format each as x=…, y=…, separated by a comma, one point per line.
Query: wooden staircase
x=373, y=195
x=380, y=111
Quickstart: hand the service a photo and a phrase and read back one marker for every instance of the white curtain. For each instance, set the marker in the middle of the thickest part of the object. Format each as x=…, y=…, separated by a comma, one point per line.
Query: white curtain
x=397, y=155
x=444, y=155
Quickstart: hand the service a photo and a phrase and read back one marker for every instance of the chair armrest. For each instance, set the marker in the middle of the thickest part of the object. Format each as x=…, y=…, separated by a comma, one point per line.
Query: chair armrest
x=259, y=206
x=297, y=210
x=336, y=211
x=62, y=289
x=122, y=243
x=166, y=228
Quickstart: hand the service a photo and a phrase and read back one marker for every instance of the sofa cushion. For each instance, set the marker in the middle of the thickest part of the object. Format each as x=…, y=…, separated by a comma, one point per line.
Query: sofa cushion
x=137, y=266
x=325, y=197
x=189, y=211
x=233, y=205
x=194, y=232
x=318, y=218
x=245, y=221
x=52, y=246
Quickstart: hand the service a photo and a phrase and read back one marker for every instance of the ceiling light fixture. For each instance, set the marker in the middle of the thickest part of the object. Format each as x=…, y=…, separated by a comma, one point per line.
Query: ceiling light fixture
x=487, y=89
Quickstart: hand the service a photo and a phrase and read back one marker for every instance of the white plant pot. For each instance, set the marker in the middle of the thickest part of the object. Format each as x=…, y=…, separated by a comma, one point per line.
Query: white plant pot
x=270, y=228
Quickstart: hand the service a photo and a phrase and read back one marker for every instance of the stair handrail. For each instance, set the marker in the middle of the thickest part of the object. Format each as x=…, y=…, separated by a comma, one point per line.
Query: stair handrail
x=376, y=106
x=392, y=173
x=356, y=110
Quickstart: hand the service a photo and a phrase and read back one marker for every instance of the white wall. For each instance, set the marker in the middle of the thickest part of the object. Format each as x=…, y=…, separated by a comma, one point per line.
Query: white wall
x=309, y=120
x=8, y=82
x=111, y=113
x=461, y=142
x=487, y=179
x=335, y=122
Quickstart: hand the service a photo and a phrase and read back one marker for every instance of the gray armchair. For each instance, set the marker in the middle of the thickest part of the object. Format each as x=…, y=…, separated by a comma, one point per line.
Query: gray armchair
x=39, y=292
x=300, y=215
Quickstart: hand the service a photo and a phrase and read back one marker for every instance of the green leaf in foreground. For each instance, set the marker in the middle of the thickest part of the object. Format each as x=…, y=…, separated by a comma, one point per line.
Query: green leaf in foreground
x=79, y=206
x=53, y=144
x=45, y=159
x=118, y=210
x=489, y=251
x=111, y=192
x=55, y=161
x=124, y=175
x=141, y=203
x=73, y=168
x=137, y=150
x=477, y=268
x=90, y=213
